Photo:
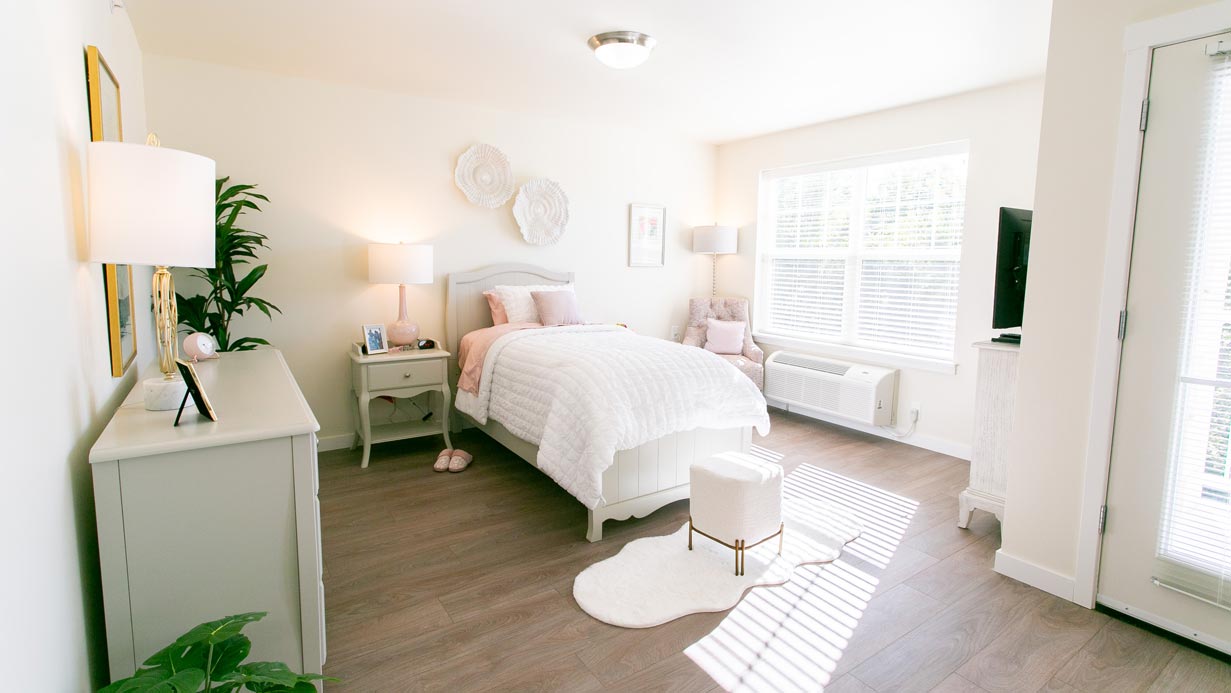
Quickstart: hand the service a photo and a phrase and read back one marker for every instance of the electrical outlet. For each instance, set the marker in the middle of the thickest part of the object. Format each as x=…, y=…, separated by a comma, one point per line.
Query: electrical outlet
x=914, y=411
x=675, y=333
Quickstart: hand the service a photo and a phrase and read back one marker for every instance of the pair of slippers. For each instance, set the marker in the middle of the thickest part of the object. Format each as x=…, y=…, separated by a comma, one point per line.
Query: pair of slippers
x=452, y=460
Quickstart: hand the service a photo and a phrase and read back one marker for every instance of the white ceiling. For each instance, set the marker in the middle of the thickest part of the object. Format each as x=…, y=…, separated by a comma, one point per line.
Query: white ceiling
x=723, y=69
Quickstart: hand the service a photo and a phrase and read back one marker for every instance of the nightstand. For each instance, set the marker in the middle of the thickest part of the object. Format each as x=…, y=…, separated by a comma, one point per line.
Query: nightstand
x=400, y=374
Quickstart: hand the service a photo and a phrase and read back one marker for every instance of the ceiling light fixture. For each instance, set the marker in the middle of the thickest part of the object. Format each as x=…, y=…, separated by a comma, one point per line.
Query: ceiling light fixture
x=622, y=49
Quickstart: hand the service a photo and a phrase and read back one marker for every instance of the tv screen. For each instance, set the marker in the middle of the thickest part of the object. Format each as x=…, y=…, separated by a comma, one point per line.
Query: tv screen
x=1012, y=256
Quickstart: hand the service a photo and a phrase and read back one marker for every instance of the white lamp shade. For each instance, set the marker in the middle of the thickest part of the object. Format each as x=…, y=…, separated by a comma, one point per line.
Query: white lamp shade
x=716, y=240
x=390, y=263
x=150, y=206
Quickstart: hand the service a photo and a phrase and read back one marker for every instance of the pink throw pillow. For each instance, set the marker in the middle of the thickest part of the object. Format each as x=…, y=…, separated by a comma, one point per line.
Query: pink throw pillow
x=557, y=307
x=725, y=336
x=499, y=316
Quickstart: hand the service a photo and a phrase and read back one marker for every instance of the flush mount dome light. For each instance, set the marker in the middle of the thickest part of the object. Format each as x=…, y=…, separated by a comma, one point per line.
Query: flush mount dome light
x=622, y=49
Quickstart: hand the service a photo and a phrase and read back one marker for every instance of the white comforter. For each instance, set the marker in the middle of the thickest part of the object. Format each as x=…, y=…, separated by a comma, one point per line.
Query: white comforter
x=582, y=392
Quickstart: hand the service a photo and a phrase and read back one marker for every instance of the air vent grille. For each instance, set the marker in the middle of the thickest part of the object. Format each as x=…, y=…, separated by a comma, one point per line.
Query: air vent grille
x=813, y=363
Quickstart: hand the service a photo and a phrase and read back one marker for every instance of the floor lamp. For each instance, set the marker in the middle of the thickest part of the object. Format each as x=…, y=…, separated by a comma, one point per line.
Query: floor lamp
x=714, y=241
x=153, y=206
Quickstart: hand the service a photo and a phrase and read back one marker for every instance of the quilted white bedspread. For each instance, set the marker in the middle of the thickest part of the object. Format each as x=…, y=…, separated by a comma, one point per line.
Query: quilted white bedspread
x=582, y=392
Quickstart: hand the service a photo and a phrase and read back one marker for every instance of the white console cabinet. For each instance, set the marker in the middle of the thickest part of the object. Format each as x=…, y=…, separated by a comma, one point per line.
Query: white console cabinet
x=210, y=519
x=995, y=393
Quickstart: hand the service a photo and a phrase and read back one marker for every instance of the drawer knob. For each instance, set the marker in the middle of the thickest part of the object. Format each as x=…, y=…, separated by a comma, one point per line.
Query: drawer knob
x=407, y=374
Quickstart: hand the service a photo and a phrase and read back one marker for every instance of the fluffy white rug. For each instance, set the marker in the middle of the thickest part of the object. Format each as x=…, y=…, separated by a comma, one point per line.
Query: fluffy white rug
x=655, y=580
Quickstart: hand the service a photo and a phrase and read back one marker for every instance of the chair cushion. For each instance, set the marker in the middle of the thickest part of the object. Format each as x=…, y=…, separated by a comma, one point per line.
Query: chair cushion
x=725, y=336
x=736, y=496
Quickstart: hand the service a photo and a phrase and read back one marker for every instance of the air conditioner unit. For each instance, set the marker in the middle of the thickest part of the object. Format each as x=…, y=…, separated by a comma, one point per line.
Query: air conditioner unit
x=812, y=384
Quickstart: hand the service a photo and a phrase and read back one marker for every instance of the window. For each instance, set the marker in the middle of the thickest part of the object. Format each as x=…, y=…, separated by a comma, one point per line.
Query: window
x=864, y=253
x=1195, y=532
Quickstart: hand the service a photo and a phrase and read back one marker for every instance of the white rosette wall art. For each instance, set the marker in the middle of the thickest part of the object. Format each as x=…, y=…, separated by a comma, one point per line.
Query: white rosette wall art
x=483, y=174
x=541, y=210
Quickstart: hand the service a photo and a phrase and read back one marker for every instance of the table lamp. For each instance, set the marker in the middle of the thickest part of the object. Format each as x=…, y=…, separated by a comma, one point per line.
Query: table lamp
x=153, y=206
x=401, y=264
x=714, y=241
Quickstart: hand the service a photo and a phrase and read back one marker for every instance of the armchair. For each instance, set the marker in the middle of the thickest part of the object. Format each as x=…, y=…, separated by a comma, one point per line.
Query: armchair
x=751, y=361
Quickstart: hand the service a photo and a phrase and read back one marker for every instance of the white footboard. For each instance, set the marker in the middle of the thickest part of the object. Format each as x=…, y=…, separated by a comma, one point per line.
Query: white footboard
x=646, y=478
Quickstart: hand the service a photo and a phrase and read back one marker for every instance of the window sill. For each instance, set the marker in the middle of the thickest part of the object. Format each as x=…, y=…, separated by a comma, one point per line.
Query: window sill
x=861, y=354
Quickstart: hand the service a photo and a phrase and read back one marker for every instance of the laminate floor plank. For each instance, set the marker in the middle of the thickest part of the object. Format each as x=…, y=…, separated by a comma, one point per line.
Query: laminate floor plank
x=464, y=582
x=1120, y=657
x=954, y=683
x=927, y=655
x=1030, y=651
x=1193, y=672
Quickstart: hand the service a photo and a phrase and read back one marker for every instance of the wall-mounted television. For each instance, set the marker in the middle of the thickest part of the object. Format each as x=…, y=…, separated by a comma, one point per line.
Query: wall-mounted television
x=1012, y=257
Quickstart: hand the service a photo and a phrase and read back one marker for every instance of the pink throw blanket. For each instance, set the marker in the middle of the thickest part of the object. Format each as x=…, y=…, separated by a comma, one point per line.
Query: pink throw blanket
x=473, y=351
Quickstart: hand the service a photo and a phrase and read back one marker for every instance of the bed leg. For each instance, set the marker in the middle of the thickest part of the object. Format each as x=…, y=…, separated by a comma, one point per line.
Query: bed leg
x=595, y=530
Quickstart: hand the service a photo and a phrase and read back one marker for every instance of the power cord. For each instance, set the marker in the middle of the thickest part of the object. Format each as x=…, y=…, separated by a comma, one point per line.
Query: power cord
x=914, y=419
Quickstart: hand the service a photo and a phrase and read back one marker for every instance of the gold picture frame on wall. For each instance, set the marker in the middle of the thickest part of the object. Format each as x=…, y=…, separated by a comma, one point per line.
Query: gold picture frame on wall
x=106, y=124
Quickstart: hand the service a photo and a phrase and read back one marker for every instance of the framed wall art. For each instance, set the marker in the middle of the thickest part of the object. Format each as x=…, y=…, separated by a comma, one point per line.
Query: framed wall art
x=106, y=125
x=647, y=245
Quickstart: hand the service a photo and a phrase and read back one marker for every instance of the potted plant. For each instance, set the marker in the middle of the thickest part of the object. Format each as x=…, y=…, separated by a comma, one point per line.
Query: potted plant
x=228, y=292
x=209, y=658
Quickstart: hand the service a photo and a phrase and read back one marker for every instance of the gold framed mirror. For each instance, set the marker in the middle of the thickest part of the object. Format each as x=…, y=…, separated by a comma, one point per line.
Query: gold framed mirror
x=106, y=124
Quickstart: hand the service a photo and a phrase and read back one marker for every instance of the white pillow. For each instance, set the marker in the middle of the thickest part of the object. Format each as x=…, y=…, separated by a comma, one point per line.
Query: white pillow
x=725, y=336
x=519, y=304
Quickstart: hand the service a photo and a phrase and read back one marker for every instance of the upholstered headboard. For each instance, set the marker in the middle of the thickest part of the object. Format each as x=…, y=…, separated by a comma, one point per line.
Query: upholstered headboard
x=466, y=307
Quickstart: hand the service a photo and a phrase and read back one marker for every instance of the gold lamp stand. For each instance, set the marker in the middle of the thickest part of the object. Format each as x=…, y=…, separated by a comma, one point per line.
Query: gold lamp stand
x=166, y=317
x=167, y=392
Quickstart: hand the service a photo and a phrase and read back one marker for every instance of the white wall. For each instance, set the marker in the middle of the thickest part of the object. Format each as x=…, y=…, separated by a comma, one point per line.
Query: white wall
x=344, y=165
x=58, y=389
x=1076, y=155
x=1002, y=126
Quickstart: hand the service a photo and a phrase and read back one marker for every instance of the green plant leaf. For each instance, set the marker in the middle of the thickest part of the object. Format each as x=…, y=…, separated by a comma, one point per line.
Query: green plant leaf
x=274, y=677
x=247, y=343
x=214, y=632
x=140, y=681
x=228, y=655
x=187, y=681
x=253, y=276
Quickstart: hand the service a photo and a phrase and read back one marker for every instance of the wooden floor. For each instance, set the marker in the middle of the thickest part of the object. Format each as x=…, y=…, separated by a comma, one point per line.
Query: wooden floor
x=463, y=582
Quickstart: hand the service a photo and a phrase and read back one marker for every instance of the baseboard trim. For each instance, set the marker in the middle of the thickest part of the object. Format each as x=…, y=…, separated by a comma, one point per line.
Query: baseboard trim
x=1034, y=575
x=1165, y=624
x=945, y=447
x=337, y=441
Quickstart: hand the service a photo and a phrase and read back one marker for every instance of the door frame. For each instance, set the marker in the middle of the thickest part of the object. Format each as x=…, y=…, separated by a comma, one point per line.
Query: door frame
x=1140, y=40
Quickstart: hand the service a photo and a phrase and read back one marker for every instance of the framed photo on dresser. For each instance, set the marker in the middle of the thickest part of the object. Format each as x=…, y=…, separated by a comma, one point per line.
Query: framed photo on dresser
x=647, y=246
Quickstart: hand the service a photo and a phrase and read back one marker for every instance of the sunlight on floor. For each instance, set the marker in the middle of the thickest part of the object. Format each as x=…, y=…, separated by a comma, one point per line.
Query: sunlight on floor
x=790, y=637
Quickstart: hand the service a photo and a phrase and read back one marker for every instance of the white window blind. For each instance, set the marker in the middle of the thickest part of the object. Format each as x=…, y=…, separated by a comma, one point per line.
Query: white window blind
x=1194, y=546
x=864, y=253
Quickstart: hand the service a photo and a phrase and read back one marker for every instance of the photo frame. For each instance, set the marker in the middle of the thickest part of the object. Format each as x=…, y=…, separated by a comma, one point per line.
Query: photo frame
x=204, y=408
x=107, y=125
x=647, y=236
x=121, y=323
x=375, y=340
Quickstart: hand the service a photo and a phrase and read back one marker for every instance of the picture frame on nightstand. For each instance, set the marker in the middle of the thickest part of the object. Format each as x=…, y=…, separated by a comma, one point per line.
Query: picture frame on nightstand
x=375, y=339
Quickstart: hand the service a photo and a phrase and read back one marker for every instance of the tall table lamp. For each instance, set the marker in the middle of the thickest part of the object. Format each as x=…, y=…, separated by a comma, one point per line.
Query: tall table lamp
x=714, y=241
x=153, y=206
x=401, y=264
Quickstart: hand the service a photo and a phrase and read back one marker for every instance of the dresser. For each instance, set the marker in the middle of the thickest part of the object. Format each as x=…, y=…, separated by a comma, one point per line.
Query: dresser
x=210, y=519
x=400, y=374
x=995, y=395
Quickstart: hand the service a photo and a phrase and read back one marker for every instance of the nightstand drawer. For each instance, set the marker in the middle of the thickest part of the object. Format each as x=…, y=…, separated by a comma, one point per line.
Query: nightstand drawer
x=388, y=376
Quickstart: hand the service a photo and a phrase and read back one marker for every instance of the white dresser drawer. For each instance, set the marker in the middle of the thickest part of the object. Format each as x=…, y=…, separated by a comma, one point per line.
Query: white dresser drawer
x=388, y=376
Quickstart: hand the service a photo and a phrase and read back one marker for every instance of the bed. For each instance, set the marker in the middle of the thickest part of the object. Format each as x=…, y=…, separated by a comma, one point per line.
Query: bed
x=638, y=480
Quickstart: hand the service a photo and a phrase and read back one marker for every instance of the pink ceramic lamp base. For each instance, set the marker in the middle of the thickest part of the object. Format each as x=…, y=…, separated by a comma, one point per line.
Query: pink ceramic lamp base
x=403, y=332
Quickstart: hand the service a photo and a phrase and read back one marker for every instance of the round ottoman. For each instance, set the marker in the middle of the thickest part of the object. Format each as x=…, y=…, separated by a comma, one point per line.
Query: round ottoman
x=736, y=500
